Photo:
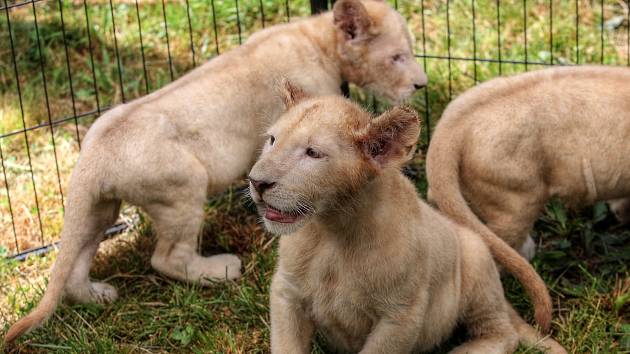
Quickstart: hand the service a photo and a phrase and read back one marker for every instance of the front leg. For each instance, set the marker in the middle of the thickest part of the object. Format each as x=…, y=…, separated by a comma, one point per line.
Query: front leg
x=397, y=331
x=291, y=329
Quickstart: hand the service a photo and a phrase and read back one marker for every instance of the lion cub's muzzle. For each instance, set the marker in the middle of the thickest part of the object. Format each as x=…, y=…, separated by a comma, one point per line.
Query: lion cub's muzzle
x=279, y=214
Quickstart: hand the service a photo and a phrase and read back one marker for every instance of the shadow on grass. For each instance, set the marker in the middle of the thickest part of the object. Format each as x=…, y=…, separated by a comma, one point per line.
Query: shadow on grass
x=157, y=313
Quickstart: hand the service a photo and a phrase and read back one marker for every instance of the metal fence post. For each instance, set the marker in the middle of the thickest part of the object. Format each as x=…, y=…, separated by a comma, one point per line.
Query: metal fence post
x=318, y=6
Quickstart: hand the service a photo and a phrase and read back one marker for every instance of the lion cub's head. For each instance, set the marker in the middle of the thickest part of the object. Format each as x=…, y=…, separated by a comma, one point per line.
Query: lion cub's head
x=321, y=152
x=375, y=47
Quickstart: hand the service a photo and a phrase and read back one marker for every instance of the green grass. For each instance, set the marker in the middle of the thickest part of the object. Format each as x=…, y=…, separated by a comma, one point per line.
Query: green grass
x=583, y=255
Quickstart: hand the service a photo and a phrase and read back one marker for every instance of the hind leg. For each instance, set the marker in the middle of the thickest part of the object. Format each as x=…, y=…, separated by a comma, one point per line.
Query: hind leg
x=79, y=288
x=484, y=312
x=491, y=333
x=511, y=216
x=178, y=226
x=530, y=337
x=486, y=317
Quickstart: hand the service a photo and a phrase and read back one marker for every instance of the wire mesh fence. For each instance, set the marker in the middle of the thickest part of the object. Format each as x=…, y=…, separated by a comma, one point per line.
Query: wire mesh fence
x=64, y=63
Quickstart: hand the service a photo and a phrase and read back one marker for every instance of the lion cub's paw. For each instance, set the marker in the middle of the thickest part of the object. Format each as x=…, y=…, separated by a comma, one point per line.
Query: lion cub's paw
x=487, y=346
x=219, y=267
x=621, y=209
x=528, y=250
x=229, y=266
x=103, y=293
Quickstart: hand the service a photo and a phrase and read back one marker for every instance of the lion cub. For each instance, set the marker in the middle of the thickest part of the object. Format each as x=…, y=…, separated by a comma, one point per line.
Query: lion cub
x=504, y=148
x=362, y=258
x=170, y=150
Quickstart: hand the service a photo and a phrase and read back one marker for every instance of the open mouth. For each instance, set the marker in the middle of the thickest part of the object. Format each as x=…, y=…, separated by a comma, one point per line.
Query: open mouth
x=280, y=216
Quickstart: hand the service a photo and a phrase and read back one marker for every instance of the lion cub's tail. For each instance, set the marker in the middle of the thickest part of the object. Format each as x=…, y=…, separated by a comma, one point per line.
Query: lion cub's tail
x=443, y=160
x=59, y=276
x=85, y=220
x=66, y=260
x=34, y=319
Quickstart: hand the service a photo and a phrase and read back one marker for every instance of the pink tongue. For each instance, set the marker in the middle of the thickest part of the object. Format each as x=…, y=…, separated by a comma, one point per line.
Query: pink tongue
x=278, y=216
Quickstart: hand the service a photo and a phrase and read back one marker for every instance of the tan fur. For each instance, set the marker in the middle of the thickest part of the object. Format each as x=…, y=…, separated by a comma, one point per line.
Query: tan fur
x=365, y=261
x=519, y=141
x=167, y=151
x=504, y=148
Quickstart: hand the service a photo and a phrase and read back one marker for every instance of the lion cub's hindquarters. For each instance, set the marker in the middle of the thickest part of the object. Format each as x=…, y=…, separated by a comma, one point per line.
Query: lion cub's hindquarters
x=504, y=148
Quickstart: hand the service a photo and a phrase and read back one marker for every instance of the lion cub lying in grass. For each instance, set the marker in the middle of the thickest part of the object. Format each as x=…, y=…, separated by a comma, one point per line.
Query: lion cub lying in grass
x=362, y=258
x=504, y=148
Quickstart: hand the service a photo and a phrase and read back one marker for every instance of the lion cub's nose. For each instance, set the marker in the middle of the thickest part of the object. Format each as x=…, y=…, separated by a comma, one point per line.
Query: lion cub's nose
x=261, y=186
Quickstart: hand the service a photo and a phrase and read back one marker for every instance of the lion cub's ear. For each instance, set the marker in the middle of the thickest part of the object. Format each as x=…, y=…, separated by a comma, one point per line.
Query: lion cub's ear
x=291, y=94
x=352, y=19
x=391, y=136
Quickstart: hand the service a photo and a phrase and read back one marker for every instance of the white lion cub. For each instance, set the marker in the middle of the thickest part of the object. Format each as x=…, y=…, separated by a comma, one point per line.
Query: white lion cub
x=362, y=259
x=168, y=151
x=504, y=148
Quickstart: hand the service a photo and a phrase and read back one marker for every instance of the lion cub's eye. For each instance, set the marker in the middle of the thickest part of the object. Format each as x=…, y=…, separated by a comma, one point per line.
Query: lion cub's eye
x=310, y=152
x=398, y=58
x=272, y=139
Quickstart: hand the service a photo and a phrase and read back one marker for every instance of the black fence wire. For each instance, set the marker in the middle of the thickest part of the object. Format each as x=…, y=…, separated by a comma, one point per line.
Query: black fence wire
x=64, y=63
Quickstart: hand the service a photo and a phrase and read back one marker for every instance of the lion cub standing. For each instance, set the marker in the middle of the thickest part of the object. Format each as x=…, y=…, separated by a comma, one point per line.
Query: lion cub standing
x=504, y=148
x=362, y=258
